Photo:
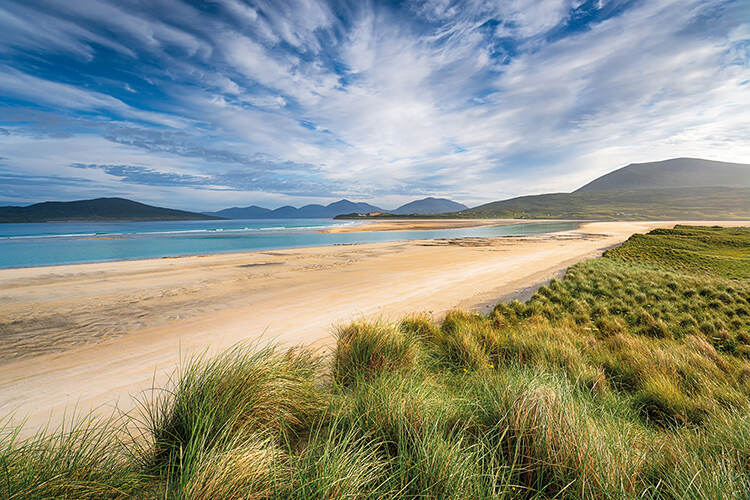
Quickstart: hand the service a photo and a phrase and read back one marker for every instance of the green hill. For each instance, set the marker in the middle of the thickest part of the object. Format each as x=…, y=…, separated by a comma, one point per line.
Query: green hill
x=674, y=173
x=100, y=209
x=698, y=203
x=680, y=188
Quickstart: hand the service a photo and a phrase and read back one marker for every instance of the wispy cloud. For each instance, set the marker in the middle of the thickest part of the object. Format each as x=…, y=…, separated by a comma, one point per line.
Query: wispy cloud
x=65, y=97
x=294, y=100
x=254, y=176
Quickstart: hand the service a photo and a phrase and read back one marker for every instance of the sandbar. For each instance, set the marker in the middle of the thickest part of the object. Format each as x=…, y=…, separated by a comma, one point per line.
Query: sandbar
x=371, y=225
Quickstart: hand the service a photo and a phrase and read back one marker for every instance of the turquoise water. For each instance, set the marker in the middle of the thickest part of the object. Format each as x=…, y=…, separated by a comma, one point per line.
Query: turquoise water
x=51, y=243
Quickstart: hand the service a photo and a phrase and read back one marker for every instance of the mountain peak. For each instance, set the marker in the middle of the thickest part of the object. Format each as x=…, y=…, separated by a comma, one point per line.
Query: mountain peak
x=673, y=173
x=430, y=205
x=289, y=212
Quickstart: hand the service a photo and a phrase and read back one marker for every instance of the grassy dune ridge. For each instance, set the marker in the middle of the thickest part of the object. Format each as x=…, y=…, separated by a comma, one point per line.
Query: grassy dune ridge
x=629, y=378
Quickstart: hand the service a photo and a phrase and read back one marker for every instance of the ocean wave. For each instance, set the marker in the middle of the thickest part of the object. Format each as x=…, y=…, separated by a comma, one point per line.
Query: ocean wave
x=44, y=236
x=136, y=234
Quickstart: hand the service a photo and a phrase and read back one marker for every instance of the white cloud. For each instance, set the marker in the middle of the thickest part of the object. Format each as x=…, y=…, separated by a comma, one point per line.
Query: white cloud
x=60, y=95
x=152, y=34
x=25, y=28
x=385, y=105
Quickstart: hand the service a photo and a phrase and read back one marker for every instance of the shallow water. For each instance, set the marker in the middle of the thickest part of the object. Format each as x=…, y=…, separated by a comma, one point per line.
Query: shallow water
x=52, y=243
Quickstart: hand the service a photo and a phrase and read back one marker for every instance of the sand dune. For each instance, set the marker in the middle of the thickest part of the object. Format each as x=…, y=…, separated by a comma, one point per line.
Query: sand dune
x=92, y=335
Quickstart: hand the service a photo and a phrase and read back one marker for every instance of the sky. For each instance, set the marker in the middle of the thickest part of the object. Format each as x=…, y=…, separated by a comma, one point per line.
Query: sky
x=218, y=103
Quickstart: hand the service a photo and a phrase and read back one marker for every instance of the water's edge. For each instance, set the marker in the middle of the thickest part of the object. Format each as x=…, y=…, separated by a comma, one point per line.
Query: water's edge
x=98, y=242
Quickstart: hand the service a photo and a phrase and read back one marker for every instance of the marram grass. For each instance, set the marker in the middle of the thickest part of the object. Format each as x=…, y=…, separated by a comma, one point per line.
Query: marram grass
x=85, y=459
x=629, y=378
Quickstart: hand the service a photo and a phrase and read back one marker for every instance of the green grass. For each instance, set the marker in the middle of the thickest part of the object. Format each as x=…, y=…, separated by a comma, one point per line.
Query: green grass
x=696, y=203
x=86, y=460
x=628, y=378
x=691, y=203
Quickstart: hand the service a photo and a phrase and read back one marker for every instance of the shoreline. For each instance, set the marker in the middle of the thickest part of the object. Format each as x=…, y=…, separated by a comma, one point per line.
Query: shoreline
x=374, y=225
x=359, y=228
x=90, y=335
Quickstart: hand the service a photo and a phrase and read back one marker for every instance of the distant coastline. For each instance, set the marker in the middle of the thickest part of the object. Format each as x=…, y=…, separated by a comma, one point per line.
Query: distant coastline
x=102, y=219
x=96, y=210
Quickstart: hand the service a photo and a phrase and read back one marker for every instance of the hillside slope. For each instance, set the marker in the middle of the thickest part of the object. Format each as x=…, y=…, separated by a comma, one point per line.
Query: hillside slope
x=675, y=189
x=680, y=188
x=674, y=173
x=697, y=203
x=100, y=209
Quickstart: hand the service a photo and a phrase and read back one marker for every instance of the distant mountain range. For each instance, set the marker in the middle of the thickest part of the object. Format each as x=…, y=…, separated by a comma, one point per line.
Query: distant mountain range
x=120, y=209
x=679, y=188
x=100, y=209
x=424, y=206
x=289, y=212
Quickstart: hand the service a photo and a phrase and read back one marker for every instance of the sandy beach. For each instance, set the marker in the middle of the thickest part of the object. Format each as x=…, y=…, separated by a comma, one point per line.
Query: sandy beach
x=92, y=335
x=420, y=224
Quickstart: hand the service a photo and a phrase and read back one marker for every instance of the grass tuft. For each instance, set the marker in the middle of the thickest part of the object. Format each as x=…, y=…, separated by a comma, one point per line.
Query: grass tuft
x=84, y=458
x=365, y=349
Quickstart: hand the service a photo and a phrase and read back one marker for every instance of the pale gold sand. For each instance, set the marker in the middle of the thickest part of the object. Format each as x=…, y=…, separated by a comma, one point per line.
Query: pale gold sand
x=90, y=335
x=419, y=224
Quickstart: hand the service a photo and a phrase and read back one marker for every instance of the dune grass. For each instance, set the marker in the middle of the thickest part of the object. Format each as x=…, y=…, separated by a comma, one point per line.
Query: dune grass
x=629, y=378
x=84, y=459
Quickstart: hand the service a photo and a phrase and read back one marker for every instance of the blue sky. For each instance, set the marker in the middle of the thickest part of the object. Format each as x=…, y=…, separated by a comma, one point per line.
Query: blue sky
x=211, y=104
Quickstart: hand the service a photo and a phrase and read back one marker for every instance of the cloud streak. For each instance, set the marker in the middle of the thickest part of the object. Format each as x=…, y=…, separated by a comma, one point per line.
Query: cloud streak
x=306, y=100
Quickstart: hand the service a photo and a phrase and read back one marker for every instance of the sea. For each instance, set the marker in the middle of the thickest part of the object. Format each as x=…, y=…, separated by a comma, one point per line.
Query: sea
x=54, y=243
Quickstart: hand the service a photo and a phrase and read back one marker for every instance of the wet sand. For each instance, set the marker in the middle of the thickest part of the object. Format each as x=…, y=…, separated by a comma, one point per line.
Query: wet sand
x=422, y=224
x=92, y=335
